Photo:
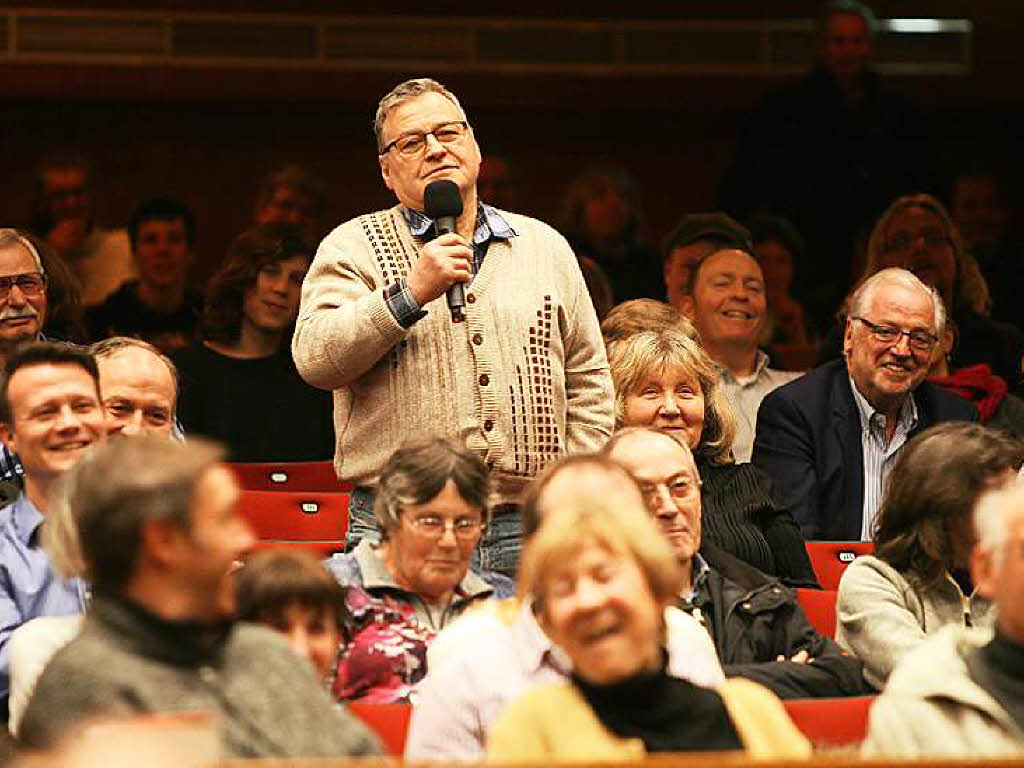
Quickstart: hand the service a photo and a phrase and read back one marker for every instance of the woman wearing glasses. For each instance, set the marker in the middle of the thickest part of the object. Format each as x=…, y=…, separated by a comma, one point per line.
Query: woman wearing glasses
x=665, y=379
x=917, y=233
x=431, y=507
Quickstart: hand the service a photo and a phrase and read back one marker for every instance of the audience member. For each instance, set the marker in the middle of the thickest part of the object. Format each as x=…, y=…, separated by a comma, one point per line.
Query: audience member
x=406, y=588
x=664, y=379
x=469, y=682
x=159, y=531
x=726, y=302
x=602, y=219
x=918, y=580
x=829, y=152
x=636, y=315
x=997, y=407
x=778, y=248
x=239, y=384
x=293, y=195
x=982, y=215
x=959, y=692
x=50, y=414
x=100, y=258
x=694, y=237
x=290, y=591
x=916, y=233
x=829, y=438
x=759, y=630
x=601, y=576
x=158, y=306
x=522, y=381
x=23, y=291
x=139, y=385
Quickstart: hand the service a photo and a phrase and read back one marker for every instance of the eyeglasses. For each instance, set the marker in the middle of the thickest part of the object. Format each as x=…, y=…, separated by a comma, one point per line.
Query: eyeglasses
x=920, y=341
x=30, y=284
x=434, y=527
x=904, y=241
x=678, y=488
x=413, y=144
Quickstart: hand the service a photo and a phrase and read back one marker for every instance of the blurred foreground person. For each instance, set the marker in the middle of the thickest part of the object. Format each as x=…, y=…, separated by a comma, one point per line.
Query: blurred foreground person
x=159, y=532
x=918, y=580
x=493, y=654
x=960, y=692
x=601, y=577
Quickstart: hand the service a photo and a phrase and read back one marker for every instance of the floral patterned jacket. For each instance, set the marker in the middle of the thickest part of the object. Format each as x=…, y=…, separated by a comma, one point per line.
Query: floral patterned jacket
x=387, y=653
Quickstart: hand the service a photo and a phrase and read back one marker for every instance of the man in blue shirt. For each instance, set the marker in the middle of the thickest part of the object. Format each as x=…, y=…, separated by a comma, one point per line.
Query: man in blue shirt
x=50, y=414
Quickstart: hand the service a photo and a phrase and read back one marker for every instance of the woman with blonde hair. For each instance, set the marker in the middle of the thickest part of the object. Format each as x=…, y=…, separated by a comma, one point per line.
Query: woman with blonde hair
x=601, y=576
x=917, y=233
x=665, y=379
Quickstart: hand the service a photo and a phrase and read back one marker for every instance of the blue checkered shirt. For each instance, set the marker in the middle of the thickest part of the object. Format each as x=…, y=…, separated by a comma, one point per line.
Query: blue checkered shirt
x=489, y=226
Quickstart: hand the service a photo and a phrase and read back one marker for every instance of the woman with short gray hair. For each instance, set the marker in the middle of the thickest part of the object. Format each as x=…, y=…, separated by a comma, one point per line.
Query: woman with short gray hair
x=431, y=509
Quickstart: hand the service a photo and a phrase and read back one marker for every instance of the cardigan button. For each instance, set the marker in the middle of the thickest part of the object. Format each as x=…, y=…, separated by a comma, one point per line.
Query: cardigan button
x=488, y=425
x=484, y=379
x=478, y=339
x=471, y=298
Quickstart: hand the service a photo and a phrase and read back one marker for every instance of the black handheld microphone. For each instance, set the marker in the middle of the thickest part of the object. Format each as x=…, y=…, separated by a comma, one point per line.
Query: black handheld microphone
x=443, y=203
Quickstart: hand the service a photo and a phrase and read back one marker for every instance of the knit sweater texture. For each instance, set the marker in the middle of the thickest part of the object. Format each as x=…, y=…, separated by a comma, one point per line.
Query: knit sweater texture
x=127, y=661
x=521, y=382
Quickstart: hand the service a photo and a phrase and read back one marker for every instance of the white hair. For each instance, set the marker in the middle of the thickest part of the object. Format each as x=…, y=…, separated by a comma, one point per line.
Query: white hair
x=992, y=513
x=12, y=237
x=865, y=293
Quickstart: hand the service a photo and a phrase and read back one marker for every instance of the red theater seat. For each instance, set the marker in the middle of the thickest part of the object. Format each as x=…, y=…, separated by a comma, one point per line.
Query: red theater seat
x=389, y=721
x=830, y=558
x=289, y=476
x=314, y=520
x=820, y=607
x=831, y=722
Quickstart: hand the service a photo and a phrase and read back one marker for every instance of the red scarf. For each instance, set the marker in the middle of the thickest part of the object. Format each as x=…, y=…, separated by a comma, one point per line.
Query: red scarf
x=978, y=385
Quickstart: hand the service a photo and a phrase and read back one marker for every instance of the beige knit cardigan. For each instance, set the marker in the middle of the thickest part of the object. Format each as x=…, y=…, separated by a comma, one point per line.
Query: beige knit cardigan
x=522, y=381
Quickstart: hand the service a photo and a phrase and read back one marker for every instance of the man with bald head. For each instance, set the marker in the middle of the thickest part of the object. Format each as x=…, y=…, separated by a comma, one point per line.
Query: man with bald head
x=759, y=630
x=139, y=385
x=829, y=439
x=491, y=655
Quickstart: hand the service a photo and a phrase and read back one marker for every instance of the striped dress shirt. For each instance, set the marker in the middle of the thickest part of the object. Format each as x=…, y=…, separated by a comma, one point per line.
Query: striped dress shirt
x=879, y=453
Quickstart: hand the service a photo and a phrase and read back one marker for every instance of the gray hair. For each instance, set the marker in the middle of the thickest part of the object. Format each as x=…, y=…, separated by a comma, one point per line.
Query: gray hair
x=402, y=92
x=862, y=295
x=991, y=517
x=419, y=471
x=11, y=237
x=111, y=346
x=94, y=527
x=850, y=7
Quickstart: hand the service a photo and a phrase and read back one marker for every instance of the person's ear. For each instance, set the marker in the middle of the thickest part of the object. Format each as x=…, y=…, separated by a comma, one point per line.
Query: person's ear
x=687, y=306
x=848, y=337
x=161, y=541
x=984, y=573
x=385, y=171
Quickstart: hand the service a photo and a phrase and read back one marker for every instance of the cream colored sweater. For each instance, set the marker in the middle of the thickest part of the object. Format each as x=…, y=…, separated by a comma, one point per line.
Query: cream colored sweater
x=522, y=381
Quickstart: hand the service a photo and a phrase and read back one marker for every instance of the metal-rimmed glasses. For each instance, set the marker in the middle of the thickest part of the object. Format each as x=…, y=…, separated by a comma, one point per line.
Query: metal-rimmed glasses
x=29, y=283
x=434, y=527
x=413, y=144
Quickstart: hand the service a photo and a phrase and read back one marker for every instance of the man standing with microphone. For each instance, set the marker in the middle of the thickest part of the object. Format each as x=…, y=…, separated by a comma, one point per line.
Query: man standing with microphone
x=518, y=373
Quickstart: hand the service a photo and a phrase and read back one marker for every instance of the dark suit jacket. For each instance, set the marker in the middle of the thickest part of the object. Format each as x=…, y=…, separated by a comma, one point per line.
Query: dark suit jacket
x=808, y=440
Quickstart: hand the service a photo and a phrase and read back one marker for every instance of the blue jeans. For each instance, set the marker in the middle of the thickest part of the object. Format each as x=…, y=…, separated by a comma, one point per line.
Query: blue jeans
x=498, y=549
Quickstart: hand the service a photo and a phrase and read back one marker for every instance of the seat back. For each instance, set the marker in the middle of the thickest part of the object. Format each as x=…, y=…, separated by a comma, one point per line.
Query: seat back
x=312, y=520
x=831, y=722
x=830, y=558
x=820, y=607
x=316, y=476
x=389, y=721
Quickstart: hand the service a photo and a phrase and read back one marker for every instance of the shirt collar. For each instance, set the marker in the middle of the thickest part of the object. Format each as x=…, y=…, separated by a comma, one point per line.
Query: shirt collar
x=908, y=411
x=760, y=363
x=537, y=646
x=698, y=574
x=25, y=517
x=489, y=224
x=376, y=574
